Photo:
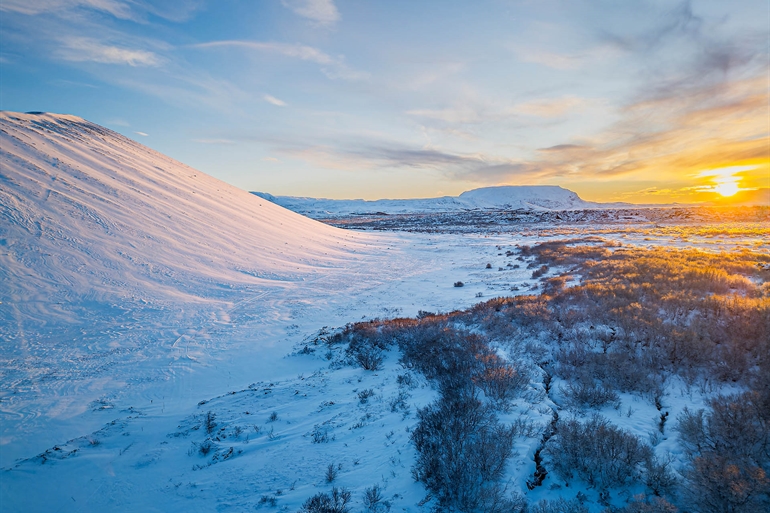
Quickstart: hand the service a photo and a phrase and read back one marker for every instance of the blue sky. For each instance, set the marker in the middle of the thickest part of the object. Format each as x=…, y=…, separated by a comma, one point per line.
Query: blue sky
x=647, y=101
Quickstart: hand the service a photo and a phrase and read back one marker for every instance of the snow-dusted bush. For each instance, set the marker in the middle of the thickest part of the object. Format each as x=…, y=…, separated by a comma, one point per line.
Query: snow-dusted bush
x=209, y=422
x=598, y=452
x=336, y=502
x=500, y=380
x=321, y=434
x=647, y=504
x=369, y=357
x=559, y=505
x=462, y=452
x=364, y=395
x=373, y=500
x=587, y=392
x=729, y=448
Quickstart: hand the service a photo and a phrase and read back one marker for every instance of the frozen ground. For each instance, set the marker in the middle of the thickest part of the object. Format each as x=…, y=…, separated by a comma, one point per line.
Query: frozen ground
x=139, y=294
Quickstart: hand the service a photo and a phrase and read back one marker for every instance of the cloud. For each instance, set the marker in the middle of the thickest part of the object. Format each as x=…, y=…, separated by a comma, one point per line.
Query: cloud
x=214, y=141
x=357, y=155
x=669, y=139
x=463, y=114
x=551, y=60
x=562, y=147
x=474, y=111
x=142, y=134
x=133, y=10
x=297, y=51
x=275, y=101
x=60, y=82
x=323, y=12
x=81, y=49
x=121, y=10
x=550, y=107
x=333, y=67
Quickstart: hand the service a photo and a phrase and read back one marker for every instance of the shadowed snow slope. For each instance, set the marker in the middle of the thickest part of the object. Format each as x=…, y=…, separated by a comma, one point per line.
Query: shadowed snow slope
x=509, y=197
x=110, y=251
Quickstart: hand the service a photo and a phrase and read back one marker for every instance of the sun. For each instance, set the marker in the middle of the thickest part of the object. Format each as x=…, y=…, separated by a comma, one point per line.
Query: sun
x=726, y=189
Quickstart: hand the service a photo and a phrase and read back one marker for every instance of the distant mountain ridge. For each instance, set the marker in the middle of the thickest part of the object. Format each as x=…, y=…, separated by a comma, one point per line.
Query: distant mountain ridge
x=507, y=197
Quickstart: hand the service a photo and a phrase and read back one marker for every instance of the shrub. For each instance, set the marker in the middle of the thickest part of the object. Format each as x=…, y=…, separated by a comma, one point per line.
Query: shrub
x=558, y=506
x=729, y=447
x=459, y=284
x=336, y=502
x=331, y=472
x=364, y=395
x=206, y=447
x=602, y=454
x=369, y=357
x=462, y=451
x=373, y=498
x=718, y=484
x=586, y=392
x=320, y=434
x=209, y=422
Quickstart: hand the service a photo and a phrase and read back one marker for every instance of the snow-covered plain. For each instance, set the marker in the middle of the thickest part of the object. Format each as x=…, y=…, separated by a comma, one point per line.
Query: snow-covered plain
x=139, y=295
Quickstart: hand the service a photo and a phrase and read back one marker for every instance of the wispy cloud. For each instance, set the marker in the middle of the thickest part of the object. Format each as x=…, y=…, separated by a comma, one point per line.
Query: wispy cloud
x=332, y=67
x=134, y=10
x=60, y=82
x=475, y=110
x=121, y=10
x=553, y=60
x=275, y=101
x=81, y=49
x=215, y=141
x=323, y=12
x=550, y=107
x=295, y=50
x=142, y=134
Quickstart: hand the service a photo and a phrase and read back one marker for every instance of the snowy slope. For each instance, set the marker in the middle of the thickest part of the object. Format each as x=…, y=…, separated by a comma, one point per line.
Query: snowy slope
x=116, y=261
x=130, y=280
x=511, y=197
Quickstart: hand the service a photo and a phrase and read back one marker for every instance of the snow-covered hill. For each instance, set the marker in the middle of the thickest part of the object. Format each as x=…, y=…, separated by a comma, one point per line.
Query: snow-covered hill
x=129, y=279
x=510, y=197
x=117, y=261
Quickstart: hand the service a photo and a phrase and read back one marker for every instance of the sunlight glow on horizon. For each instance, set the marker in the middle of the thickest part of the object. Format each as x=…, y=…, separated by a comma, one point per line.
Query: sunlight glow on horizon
x=614, y=101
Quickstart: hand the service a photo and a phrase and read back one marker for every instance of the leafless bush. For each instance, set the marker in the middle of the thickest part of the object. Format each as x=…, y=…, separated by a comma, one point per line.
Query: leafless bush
x=729, y=447
x=373, y=499
x=336, y=502
x=209, y=422
x=462, y=451
x=602, y=454
x=321, y=434
x=364, y=395
x=717, y=484
x=331, y=472
x=558, y=506
x=586, y=392
x=369, y=357
x=642, y=504
x=205, y=447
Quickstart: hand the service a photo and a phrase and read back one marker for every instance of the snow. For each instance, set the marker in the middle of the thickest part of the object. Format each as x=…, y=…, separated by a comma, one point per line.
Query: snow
x=132, y=282
x=139, y=294
x=511, y=197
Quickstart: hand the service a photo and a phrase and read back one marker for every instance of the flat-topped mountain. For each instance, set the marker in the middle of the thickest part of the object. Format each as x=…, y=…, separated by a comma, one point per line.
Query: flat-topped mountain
x=508, y=197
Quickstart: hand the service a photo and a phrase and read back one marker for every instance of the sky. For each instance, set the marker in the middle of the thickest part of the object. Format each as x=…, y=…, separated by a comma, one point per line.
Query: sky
x=648, y=101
